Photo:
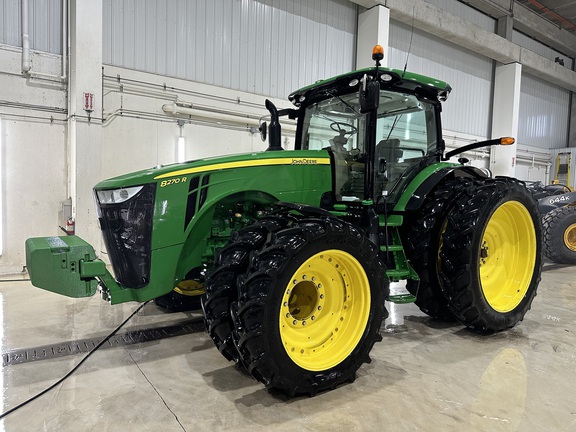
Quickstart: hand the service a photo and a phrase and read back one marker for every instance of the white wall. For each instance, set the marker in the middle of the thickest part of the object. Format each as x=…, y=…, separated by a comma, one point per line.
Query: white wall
x=34, y=168
x=258, y=46
x=138, y=134
x=467, y=110
x=544, y=114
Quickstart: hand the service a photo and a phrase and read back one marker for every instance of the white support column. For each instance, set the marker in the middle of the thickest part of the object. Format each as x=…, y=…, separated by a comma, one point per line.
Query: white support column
x=572, y=124
x=85, y=127
x=373, y=28
x=505, y=113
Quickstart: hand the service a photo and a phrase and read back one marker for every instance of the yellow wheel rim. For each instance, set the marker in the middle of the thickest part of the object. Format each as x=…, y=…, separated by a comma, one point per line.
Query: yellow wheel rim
x=570, y=237
x=325, y=310
x=507, y=256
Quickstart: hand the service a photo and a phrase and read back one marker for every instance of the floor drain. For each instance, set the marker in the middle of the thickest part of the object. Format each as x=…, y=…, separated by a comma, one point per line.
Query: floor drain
x=27, y=355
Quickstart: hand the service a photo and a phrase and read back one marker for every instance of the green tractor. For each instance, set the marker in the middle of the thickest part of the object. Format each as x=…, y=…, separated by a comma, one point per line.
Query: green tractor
x=294, y=250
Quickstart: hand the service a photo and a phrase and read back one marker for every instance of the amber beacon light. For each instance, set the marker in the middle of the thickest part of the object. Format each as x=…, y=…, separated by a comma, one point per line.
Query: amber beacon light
x=377, y=53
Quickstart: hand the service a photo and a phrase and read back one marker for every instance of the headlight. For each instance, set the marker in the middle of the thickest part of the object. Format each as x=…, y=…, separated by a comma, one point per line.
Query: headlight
x=116, y=196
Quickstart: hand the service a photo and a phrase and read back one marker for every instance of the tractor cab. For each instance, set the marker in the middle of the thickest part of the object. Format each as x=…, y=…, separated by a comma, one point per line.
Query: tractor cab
x=381, y=127
x=405, y=135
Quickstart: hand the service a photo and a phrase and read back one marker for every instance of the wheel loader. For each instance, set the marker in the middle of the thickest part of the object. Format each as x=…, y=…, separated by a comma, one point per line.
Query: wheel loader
x=293, y=251
x=557, y=205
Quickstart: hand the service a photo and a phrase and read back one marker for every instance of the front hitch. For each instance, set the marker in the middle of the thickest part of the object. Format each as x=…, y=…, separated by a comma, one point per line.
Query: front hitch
x=65, y=265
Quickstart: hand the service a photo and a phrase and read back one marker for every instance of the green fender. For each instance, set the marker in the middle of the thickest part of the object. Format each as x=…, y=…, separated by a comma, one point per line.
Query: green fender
x=426, y=181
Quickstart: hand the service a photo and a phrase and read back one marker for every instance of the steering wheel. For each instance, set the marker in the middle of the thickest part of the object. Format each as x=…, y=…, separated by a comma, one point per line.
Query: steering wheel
x=343, y=128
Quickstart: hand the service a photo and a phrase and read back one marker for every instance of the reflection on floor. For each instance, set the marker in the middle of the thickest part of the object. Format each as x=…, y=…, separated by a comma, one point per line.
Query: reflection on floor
x=162, y=373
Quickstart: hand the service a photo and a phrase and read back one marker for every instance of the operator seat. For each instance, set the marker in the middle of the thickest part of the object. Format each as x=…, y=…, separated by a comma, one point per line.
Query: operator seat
x=388, y=154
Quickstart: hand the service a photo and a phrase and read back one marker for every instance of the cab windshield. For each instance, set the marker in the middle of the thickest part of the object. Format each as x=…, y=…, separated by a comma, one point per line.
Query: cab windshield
x=406, y=133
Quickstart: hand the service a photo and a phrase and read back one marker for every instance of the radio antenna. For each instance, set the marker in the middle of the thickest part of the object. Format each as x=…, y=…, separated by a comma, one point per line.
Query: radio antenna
x=410, y=45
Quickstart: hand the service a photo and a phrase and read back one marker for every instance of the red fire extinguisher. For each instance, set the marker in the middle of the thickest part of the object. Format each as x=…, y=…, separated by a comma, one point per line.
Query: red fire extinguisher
x=70, y=226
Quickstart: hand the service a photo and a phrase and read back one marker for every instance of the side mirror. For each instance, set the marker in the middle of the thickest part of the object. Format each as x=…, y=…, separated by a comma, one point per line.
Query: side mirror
x=263, y=128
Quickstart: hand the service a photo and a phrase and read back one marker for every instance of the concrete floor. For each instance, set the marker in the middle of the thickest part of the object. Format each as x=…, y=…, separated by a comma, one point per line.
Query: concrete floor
x=424, y=376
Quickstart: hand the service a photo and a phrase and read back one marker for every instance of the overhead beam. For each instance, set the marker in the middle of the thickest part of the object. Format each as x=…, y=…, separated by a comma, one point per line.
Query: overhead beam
x=530, y=23
x=438, y=22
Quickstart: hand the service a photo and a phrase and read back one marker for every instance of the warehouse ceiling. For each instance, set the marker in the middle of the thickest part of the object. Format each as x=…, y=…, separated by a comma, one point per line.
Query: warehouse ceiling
x=560, y=12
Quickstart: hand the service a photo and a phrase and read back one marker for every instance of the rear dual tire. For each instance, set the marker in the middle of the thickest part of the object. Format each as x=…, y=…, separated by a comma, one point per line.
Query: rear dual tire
x=422, y=233
x=491, y=254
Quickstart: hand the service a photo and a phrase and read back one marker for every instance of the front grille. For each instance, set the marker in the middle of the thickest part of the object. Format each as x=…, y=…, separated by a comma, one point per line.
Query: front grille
x=127, y=231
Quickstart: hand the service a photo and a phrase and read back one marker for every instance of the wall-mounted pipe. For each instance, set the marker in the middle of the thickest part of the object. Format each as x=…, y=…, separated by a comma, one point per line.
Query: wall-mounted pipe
x=176, y=109
x=25, y=39
x=156, y=117
x=64, y=39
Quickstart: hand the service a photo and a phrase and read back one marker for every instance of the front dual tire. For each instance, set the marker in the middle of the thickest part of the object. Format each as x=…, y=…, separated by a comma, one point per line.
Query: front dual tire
x=309, y=307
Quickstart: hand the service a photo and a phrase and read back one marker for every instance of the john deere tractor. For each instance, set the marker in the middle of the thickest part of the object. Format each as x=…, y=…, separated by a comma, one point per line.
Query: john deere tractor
x=294, y=250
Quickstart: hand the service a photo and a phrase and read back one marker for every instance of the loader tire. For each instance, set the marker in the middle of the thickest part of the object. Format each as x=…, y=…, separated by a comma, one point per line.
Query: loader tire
x=221, y=283
x=423, y=241
x=310, y=307
x=559, y=231
x=491, y=254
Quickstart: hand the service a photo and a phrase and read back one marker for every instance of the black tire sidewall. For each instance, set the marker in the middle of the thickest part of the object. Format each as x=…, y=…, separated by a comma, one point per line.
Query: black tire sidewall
x=280, y=370
x=489, y=319
x=272, y=313
x=430, y=297
x=556, y=223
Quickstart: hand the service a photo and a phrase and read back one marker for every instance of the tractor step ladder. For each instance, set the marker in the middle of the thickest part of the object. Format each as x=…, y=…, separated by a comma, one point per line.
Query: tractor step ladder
x=403, y=269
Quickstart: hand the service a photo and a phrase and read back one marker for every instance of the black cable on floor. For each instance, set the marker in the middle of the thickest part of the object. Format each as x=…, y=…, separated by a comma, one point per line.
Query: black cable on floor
x=75, y=368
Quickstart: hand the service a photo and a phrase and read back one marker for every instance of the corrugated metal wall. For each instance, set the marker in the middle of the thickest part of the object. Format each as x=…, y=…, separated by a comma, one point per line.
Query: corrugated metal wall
x=269, y=47
x=44, y=24
x=544, y=114
x=468, y=108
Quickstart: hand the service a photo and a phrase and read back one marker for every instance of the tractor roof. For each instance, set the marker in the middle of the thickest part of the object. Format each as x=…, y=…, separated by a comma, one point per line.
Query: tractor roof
x=392, y=78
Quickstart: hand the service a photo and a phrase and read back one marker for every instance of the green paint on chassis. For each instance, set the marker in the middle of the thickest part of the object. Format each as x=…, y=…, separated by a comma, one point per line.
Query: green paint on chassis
x=296, y=249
